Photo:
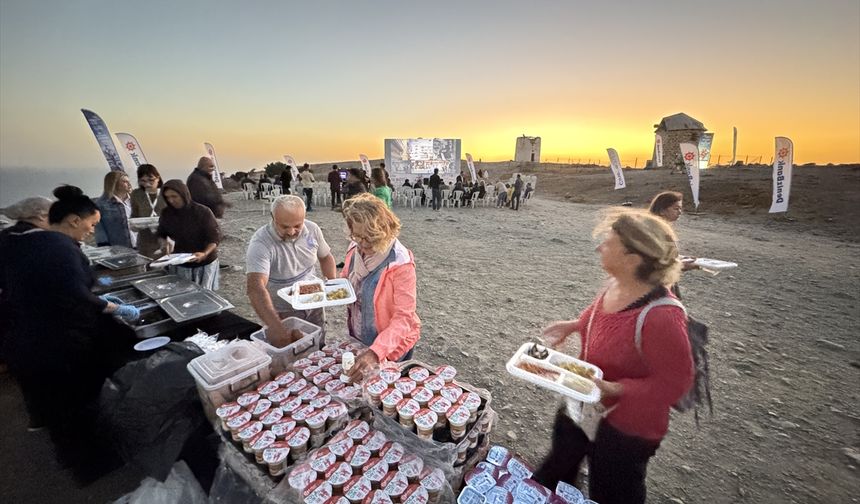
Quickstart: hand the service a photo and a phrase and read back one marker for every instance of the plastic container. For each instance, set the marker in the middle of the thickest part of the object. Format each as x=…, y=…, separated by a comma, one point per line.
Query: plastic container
x=319, y=299
x=714, y=264
x=283, y=357
x=561, y=381
x=225, y=373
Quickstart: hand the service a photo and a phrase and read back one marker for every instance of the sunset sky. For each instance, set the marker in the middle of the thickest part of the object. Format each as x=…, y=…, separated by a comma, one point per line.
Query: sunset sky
x=325, y=81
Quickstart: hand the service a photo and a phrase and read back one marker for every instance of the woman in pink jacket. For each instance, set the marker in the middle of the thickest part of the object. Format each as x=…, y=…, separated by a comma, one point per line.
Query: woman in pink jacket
x=382, y=272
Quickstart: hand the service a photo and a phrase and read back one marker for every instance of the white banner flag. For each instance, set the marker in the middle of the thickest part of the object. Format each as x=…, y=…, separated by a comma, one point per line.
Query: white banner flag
x=705, y=142
x=132, y=148
x=102, y=134
x=658, y=150
x=615, y=164
x=690, y=154
x=216, y=175
x=783, y=160
x=294, y=170
x=471, y=165
x=365, y=163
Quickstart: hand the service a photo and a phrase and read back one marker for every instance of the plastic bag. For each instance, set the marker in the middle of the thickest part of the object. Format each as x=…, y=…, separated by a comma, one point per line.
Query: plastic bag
x=180, y=487
x=150, y=408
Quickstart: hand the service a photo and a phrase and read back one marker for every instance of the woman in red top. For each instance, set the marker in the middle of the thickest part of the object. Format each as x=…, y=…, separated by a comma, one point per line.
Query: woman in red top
x=639, y=385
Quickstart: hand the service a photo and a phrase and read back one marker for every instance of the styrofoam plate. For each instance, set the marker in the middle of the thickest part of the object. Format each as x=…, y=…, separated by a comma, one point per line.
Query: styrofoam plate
x=714, y=264
x=152, y=343
x=319, y=299
x=171, y=260
x=557, y=384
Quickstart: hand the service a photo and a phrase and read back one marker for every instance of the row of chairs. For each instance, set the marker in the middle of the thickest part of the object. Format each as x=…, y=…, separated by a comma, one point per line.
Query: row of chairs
x=407, y=196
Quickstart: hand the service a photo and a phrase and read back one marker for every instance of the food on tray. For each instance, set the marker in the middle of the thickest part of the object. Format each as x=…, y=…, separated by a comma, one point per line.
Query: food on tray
x=584, y=371
x=538, y=352
x=538, y=370
x=338, y=294
x=316, y=298
x=309, y=289
x=579, y=384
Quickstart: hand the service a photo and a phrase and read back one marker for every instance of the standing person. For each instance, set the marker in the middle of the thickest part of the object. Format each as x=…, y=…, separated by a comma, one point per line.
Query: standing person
x=354, y=183
x=334, y=183
x=194, y=229
x=61, y=333
x=436, y=187
x=203, y=189
x=280, y=254
x=115, y=207
x=669, y=205
x=382, y=273
x=286, y=180
x=518, y=191
x=641, y=381
x=502, y=191
x=381, y=189
x=29, y=214
x=146, y=201
x=307, y=178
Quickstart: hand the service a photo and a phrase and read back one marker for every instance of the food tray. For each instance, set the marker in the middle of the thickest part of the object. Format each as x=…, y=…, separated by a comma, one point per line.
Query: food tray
x=317, y=300
x=164, y=286
x=138, y=223
x=194, y=305
x=123, y=262
x=171, y=260
x=714, y=264
x=550, y=363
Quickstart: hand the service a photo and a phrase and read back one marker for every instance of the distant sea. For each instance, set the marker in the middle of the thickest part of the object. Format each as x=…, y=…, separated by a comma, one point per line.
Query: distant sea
x=17, y=183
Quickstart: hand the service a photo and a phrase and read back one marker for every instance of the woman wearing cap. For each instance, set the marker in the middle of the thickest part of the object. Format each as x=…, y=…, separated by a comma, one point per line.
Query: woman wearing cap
x=115, y=208
x=382, y=273
x=146, y=201
x=194, y=229
x=640, y=384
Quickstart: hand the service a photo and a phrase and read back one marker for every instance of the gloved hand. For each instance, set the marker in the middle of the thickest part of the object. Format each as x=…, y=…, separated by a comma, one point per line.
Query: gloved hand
x=105, y=281
x=127, y=312
x=111, y=299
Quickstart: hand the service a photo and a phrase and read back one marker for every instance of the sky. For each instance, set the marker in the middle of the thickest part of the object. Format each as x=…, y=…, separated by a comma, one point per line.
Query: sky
x=325, y=80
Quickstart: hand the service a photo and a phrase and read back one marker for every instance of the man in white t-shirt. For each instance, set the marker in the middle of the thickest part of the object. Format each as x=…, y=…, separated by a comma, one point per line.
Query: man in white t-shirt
x=280, y=254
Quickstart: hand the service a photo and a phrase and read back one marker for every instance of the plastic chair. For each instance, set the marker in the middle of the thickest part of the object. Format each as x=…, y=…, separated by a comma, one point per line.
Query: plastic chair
x=473, y=200
x=489, y=196
x=525, y=199
x=416, y=194
x=265, y=190
x=248, y=190
x=457, y=196
x=446, y=199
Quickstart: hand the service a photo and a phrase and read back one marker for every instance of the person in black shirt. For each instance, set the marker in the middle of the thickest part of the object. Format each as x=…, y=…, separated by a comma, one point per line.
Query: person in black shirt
x=334, y=183
x=436, y=187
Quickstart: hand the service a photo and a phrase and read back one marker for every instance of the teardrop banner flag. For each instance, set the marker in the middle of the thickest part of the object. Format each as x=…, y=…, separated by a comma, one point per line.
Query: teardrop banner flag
x=132, y=148
x=294, y=170
x=216, y=175
x=734, y=145
x=783, y=160
x=705, y=142
x=102, y=134
x=365, y=163
x=615, y=164
x=658, y=150
x=471, y=165
x=690, y=155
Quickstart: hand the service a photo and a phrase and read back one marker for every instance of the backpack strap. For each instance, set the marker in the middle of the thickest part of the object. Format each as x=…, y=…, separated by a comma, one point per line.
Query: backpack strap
x=640, y=321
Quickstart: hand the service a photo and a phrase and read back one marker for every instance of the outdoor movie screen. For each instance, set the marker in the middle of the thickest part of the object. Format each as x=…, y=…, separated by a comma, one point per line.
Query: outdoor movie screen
x=410, y=158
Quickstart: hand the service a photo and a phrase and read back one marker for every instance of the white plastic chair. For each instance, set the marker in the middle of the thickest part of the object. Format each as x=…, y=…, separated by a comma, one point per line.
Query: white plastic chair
x=248, y=190
x=265, y=190
x=525, y=199
x=416, y=195
x=457, y=196
x=446, y=200
x=489, y=196
x=473, y=200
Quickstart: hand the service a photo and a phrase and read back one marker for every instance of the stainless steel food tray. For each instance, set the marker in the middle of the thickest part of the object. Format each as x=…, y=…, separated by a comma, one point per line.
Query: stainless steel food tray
x=165, y=286
x=123, y=262
x=194, y=305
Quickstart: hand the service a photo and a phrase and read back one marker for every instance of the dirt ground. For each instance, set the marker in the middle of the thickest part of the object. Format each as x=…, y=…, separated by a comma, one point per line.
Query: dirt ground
x=784, y=354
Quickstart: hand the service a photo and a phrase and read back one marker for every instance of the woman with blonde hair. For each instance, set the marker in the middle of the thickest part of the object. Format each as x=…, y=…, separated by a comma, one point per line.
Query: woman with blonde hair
x=642, y=378
x=115, y=207
x=382, y=272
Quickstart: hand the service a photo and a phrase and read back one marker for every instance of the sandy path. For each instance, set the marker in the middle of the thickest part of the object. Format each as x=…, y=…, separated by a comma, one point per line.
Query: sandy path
x=786, y=404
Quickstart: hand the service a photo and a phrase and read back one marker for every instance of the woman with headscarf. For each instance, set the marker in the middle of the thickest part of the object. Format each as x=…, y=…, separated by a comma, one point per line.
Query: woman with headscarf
x=642, y=379
x=382, y=273
x=146, y=201
x=115, y=207
x=61, y=333
x=194, y=229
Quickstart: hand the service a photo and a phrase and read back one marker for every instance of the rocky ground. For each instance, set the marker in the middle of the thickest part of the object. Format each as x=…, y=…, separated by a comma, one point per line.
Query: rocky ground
x=785, y=360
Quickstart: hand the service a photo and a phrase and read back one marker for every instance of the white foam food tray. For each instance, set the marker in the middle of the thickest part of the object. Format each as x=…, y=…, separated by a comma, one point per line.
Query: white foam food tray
x=171, y=260
x=714, y=264
x=318, y=299
x=138, y=223
x=585, y=390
